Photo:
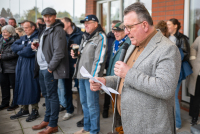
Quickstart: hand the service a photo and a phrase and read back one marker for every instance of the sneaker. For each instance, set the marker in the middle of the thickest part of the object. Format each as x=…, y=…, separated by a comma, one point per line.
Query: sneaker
x=34, y=115
x=82, y=131
x=62, y=108
x=2, y=107
x=80, y=123
x=74, y=89
x=67, y=116
x=12, y=107
x=21, y=113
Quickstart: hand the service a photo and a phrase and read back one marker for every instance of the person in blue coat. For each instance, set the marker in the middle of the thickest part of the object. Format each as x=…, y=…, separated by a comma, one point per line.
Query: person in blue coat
x=121, y=39
x=27, y=89
x=73, y=36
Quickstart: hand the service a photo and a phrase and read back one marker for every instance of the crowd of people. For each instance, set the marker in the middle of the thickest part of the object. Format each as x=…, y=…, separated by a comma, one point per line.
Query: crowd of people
x=41, y=58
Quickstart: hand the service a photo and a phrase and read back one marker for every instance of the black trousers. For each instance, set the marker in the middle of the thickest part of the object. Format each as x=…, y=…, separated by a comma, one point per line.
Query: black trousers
x=106, y=102
x=195, y=100
x=7, y=80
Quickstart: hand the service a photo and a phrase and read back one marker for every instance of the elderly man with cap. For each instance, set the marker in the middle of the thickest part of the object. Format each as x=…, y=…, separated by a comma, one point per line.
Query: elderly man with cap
x=51, y=64
x=121, y=39
x=91, y=55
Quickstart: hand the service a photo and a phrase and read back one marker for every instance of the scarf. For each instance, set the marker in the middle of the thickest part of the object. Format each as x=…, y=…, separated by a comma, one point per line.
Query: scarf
x=117, y=44
x=7, y=40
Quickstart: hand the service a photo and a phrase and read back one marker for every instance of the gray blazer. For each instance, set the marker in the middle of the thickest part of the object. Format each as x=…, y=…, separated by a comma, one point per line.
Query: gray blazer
x=148, y=94
x=194, y=52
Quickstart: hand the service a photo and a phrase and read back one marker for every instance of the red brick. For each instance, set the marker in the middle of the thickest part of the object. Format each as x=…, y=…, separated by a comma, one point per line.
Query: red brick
x=170, y=8
x=169, y=12
x=161, y=4
x=169, y=3
x=179, y=12
x=177, y=2
x=178, y=7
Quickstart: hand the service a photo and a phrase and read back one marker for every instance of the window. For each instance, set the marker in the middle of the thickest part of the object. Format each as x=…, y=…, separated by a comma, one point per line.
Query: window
x=114, y=10
x=194, y=21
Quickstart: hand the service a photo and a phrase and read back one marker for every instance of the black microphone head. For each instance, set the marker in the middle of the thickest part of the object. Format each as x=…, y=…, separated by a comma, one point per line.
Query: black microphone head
x=125, y=46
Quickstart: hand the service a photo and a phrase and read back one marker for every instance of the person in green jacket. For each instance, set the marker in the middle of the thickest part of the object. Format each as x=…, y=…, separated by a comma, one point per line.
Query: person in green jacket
x=121, y=39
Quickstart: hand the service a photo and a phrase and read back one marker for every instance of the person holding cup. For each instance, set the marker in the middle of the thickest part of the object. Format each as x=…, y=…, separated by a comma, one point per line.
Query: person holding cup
x=26, y=86
x=91, y=55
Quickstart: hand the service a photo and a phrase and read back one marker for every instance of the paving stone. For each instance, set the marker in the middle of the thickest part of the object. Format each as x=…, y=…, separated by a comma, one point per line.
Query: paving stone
x=6, y=118
x=9, y=127
x=14, y=132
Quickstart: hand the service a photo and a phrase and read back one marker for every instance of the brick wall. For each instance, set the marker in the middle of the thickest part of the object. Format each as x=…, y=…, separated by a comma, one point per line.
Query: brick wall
x=90, y=7
x=167, y=9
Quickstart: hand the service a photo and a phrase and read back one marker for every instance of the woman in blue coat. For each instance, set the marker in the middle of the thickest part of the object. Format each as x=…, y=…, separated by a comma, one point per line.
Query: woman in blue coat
x=27, y=89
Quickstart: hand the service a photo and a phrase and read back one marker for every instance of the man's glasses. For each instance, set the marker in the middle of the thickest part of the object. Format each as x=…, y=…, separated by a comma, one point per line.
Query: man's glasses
x=128, y=27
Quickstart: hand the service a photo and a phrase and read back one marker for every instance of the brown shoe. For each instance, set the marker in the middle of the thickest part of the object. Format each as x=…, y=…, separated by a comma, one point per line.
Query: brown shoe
x=42, y=125
x=49, y=130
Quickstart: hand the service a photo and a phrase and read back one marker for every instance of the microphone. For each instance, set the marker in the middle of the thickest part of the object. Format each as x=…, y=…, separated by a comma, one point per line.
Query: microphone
x=123, y=52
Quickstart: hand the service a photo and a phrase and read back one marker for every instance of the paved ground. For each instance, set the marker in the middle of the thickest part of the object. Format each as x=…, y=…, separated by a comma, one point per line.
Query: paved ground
x=20, y=126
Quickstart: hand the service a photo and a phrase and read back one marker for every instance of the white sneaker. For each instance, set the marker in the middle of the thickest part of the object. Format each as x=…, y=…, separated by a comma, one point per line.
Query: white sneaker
x=74, y=89
x=67, y=116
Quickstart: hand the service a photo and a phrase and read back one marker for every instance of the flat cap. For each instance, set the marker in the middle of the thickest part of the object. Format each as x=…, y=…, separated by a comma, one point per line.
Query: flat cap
x=49, y=11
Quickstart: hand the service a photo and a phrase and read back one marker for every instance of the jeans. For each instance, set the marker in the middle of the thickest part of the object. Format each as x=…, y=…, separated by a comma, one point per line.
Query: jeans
x=65, y=94
x=7, y=79
x=48, y=87
x=90, y=104
x=61, y=92
x=177, y=107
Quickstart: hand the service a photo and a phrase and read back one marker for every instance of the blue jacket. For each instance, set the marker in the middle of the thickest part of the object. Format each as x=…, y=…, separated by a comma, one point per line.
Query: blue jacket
x=186, y=69
x=115, y=58
x=27, y=89
x=74, y=38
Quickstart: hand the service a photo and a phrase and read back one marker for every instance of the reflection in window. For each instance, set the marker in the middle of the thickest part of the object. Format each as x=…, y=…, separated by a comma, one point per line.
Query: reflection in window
x=148, y=5
x=104, y=12
x=194, y=24
x=128, y=2
x=114, y=11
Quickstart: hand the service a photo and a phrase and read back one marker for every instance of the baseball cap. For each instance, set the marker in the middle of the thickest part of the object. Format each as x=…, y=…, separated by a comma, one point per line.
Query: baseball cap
x=90, y=17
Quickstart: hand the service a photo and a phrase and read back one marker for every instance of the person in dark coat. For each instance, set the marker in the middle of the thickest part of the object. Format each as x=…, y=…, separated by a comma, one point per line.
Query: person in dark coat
x=8, y=61
x=27, y=87
x=73, y=36
x=182, y=42
x=110, y=39
x=51, y=64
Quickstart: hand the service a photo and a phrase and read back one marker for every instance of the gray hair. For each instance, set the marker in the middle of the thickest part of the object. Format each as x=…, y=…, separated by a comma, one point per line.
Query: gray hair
x=10, y=29
x=141, y=11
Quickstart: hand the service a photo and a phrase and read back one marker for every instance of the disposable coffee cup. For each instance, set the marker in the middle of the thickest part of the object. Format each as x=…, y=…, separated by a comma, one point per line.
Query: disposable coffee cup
x=75, y=49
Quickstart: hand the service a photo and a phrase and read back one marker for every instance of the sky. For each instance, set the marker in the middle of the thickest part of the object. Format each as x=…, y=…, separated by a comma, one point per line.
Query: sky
x=58, y=5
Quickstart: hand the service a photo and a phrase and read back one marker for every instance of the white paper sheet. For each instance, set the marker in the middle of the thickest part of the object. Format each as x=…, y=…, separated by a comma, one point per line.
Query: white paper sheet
x=107, y=90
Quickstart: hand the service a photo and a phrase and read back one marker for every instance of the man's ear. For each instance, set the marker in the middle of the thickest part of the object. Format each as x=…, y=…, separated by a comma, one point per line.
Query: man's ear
x=96, y=24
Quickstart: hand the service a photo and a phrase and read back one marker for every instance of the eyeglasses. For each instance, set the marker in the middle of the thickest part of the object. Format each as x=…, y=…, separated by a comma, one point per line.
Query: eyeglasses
x=128, y=27
x=87, y=23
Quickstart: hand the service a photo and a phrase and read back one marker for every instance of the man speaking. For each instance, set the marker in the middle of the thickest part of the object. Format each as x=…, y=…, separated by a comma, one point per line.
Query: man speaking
x=147, y=78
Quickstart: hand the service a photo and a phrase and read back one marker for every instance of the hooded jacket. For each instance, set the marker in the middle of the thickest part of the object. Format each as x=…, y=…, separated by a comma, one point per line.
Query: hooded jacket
x=55, y=50
x=93, y=50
